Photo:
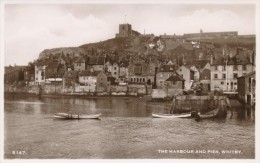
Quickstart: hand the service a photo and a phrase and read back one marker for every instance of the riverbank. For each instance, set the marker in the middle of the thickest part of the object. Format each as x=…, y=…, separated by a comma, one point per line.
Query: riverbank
x=25, y=94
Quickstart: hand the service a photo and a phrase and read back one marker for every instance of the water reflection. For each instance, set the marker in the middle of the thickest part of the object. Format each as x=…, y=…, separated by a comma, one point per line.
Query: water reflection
x=126, y=129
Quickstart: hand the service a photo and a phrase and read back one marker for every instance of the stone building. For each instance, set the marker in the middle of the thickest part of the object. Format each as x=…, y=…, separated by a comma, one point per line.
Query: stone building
x=205, y=79
x=70, y=79
x=40, y=76
x=226, y=69
x=175, y=81
x=246, y=88
x=88, y=80
x=96, y=64
x=54, y=72
x=104, y=81
x=187, y=74
x=138, y=71
x=124, y=30
x=80, y=64
x=164, y=72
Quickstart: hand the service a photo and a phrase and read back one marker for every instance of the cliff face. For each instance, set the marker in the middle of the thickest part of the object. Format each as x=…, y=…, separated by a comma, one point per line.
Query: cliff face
x=65, y=50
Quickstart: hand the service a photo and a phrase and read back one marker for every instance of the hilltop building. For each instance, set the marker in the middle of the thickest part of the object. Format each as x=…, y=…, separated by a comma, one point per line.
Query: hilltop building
x=211, y=35
x=124, y=30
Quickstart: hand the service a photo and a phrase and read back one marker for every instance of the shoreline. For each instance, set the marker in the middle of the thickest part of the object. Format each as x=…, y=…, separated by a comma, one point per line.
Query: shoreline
x=9, y=94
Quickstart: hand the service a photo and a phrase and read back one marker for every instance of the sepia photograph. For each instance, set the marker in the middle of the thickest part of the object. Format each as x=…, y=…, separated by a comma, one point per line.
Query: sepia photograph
x=129, y=80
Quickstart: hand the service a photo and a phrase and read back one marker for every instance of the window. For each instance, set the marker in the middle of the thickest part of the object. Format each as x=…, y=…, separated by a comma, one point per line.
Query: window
x=138, y=69
x=222, y=83
x=244, y=67
x=131, y=79
x=235, y=83
x=180, y=69
x=235, y=68
x=223, y=76
x=227, y=83
x=215, y=76
x=224, y=68
x=114, y=73
x=235, y=75
x=143, y=80
x=114, y=68
x=216, y=67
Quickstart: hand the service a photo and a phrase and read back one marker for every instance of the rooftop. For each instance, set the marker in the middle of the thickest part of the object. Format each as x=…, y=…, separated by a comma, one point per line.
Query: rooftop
x=175, y=77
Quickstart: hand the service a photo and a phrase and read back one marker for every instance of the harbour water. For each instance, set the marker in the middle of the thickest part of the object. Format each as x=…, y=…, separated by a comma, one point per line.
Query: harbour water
x=125, y=130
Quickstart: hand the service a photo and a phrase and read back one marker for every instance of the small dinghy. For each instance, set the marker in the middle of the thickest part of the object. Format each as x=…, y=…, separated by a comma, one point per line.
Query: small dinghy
x=208, y=115
x=76, y=116
x=185, y=115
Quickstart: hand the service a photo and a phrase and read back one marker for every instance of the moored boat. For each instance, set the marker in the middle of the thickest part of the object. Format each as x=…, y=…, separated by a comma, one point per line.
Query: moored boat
x=209, y=115
x=76, y=116
x=184, y=115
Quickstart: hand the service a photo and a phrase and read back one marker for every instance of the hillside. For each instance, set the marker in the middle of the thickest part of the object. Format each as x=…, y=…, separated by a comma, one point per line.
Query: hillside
x=65, y=50
x=136, y=44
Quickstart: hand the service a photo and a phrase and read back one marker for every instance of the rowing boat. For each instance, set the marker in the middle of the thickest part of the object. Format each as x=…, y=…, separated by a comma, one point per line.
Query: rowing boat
x=76, y=116
x=185, y=115
x=208, y=115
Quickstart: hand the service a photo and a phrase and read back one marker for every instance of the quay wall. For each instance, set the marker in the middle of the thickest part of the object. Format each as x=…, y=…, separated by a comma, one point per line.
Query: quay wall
x=115, y=90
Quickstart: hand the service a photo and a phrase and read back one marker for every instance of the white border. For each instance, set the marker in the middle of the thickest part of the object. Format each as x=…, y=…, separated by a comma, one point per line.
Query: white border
x=2, y=52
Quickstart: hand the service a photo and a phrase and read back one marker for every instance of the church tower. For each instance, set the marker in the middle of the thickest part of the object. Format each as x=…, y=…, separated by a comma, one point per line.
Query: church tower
x=124, y=30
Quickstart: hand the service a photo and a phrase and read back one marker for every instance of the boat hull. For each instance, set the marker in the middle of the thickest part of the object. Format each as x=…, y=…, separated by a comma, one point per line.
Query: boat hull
x=75, y=116
x=188, y=115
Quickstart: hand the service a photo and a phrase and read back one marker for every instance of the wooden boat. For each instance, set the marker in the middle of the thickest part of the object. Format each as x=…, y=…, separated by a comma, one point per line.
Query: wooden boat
x=76, y=116
x=184, y=115
x=208, y=115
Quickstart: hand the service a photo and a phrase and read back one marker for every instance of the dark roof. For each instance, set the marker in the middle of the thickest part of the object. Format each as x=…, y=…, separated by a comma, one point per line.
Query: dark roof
x=80, y=60
x=241, y=57
x=124, y=64
x=205, y=74
x=96, y=61
x=43, y=62
x=53, y=64
x=167, y=68
x=89, y=73
x=200, y=63
x=248, y=74
x=70, y=74
x=175, y=77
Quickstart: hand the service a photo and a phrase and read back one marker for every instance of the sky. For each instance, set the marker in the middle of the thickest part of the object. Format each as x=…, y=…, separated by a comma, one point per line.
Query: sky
x=29, y=29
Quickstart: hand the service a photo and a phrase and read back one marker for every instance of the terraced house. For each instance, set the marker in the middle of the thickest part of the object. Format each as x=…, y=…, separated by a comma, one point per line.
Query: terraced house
x=226, y=69
x=164, y=72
